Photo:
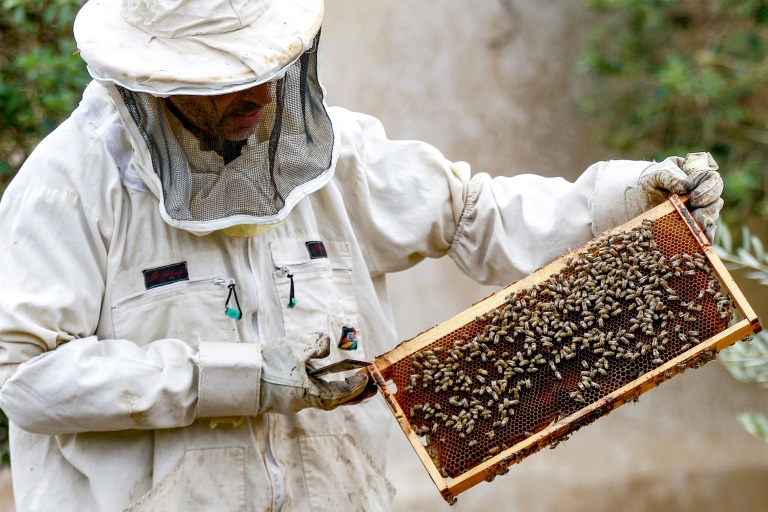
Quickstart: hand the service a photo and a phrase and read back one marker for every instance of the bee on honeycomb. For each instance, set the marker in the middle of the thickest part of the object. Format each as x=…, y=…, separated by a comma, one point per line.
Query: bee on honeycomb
x=617, y=309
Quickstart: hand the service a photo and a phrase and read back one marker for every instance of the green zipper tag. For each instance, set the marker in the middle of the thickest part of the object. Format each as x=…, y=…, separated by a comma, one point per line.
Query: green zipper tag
x=233, y=313
x=292, y=303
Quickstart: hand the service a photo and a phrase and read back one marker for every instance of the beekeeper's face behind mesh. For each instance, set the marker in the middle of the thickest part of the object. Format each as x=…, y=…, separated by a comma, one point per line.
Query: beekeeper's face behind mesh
x=226, y=99
x=233, y=116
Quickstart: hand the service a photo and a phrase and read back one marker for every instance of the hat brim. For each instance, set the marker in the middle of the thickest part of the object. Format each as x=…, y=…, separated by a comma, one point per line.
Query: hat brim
x=120, y=53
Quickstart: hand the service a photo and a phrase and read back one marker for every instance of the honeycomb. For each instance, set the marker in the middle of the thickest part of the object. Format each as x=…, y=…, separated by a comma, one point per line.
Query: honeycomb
x=619, y=308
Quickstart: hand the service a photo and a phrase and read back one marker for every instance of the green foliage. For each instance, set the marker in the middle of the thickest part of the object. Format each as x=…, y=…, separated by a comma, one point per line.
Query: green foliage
x=41, y=82
x=749, y=255
x=41, y=75
x=747, y=362
x=5, y=453
x=755, y=423
x=676, y=76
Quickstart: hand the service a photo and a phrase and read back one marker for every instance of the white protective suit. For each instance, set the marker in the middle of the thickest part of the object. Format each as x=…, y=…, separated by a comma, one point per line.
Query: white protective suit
x=111, y=383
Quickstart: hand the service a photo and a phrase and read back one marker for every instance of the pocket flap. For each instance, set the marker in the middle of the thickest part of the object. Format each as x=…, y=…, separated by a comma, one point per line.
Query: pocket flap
x=297, y=252
x=199, y=266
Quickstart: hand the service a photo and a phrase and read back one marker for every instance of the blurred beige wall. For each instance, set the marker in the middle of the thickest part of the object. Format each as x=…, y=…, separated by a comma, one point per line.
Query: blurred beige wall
x=492, y=82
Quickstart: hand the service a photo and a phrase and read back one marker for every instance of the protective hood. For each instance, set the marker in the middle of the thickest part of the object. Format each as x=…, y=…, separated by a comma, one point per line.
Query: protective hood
x=257, y=181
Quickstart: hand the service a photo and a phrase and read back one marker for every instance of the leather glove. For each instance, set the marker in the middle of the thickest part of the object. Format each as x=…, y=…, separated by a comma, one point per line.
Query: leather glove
x=696, y=174
x=705, y=199
x=287, y=388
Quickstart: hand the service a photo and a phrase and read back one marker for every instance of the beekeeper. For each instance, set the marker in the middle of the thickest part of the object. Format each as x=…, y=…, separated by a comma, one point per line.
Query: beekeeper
x=202, y=226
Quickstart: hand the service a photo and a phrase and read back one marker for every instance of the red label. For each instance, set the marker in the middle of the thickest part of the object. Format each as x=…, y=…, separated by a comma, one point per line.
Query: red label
x=154, y=277
x=316, y=250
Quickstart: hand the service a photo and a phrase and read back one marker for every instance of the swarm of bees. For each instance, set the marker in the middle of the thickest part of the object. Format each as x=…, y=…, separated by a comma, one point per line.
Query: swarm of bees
x=615, y=311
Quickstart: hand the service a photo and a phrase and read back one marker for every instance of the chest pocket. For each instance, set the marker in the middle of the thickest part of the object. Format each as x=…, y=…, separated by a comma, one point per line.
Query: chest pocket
x=315, y=287
x=180, y=298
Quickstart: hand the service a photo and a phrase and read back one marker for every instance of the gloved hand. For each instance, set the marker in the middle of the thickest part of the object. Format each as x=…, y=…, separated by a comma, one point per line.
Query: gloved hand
x=286, y=387
x=696, y=174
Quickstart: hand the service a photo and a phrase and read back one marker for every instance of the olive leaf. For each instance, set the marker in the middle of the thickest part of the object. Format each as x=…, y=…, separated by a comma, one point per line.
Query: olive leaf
x=755, y=423
x=746, y=362
x=750, y=255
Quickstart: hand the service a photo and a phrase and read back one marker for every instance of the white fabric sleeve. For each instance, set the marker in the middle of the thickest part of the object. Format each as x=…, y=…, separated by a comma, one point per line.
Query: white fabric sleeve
x=412, y=203
x=512, y=226
x=404, y=197
x=90, y=385
x=614, y=178
x=221, y=366
x=56, y=376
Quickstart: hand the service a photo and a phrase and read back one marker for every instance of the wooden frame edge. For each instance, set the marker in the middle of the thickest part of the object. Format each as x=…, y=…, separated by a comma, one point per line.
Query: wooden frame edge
x=592, y=412
x=450, y=488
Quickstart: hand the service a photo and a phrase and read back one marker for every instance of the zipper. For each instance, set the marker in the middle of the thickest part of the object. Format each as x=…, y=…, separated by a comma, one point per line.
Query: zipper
x=302, y=267
x=219, y=281
x=252, y=286
x=289, y=271
x=310, y=265
x=277, y=475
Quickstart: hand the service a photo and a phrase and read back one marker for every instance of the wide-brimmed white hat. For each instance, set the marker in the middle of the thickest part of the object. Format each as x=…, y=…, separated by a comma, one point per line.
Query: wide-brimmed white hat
x=201, y=47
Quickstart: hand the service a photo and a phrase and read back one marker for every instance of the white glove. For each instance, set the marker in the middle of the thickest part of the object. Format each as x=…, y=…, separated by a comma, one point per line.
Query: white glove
x=705, y=199
x=287, y=388
x=696, y=174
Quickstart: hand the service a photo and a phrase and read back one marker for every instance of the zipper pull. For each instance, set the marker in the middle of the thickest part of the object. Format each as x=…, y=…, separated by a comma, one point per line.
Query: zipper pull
x=231, y=312
x=283, y=269
x=292, y=297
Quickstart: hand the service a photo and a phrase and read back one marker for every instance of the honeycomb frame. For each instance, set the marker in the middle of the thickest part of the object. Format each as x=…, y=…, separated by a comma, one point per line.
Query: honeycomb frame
x=681, y=228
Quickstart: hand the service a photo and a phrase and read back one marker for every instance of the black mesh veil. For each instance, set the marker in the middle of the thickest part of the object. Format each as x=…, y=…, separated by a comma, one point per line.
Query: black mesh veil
x=291, y=147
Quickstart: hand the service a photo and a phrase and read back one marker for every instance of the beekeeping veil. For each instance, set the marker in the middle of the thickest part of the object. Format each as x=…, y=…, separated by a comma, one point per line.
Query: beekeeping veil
x=154, y=49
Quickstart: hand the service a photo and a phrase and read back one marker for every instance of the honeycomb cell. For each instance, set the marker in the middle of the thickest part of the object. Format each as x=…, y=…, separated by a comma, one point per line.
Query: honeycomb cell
x=619, y=308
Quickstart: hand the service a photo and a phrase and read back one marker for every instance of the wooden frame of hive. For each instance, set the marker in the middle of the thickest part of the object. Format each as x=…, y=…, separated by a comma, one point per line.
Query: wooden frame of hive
x=559, y=429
